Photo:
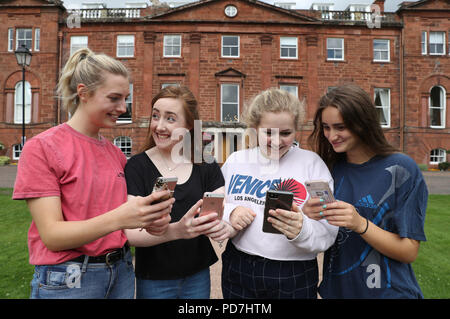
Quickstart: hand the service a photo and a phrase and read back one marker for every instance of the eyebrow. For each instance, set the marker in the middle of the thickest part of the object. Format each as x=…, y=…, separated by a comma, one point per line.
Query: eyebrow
x=167, y=112
x=333, y=124
x=119, y=94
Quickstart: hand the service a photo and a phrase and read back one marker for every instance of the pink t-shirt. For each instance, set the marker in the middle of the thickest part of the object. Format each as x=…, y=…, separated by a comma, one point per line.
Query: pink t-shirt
x=86, y=173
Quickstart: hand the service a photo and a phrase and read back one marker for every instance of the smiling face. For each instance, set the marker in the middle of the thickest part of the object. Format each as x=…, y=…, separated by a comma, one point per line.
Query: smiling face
x=107, y=102
x=276, y=133
x=168, y=123
x=336, y=132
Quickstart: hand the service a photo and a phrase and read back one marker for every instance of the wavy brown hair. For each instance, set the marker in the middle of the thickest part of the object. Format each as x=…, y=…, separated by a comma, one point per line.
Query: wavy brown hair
x=360, y=116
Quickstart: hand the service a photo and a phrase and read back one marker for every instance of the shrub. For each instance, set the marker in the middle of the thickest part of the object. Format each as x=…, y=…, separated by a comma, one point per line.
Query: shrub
x=443, y=166
x=4, y=160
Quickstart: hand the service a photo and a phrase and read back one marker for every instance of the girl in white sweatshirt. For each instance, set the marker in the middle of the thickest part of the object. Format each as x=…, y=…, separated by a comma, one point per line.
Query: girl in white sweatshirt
x=257, y=264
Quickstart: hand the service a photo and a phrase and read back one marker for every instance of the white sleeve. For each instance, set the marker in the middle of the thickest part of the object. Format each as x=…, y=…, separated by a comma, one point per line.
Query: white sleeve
x=315, y=236
x=228, y=208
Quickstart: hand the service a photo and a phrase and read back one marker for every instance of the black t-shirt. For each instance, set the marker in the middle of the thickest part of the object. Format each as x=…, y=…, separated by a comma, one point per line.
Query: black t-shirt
x=179, y=258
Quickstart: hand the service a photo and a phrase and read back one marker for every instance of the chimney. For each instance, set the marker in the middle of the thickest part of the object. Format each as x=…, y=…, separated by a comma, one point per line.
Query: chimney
x=380, y=3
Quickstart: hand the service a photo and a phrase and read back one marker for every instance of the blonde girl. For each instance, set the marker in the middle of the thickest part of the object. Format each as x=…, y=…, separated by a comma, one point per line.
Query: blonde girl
x=73, y=181
x=258, y=264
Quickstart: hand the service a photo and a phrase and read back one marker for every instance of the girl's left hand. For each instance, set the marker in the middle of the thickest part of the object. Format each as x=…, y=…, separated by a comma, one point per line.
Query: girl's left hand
x=288, y=222
x=343, y=214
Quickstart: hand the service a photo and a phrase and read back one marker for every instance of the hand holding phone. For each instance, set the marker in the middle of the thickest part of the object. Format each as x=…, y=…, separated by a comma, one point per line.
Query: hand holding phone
x=165, y=183
x=276, y=199
x=212, y=203
x=320, y=189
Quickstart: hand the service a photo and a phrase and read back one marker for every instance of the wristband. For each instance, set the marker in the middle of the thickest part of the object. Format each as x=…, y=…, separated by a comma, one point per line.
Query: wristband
x=367, y=227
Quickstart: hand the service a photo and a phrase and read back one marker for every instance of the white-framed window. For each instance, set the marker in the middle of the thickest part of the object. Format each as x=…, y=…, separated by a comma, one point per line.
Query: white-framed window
x=230, y=46
x=10, y=39
x=17, y=150
x=230, y=11
x=78, y=42
x=423, y=42
x=229, y=102
x=437, y=107
x=437, y=43
x=291, y=88
x=172, y=45
x=18, y=105
x=383, y=105
x=437, y=155
x=335, y=49
x=381, y=50
x=288, y=47
x=125, y=144
x=127, y=116
x=24, y=36
x=37, y=39
x=125, y=46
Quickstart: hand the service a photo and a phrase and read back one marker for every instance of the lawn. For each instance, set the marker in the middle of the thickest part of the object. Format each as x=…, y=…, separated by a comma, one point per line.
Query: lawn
x=432, y=266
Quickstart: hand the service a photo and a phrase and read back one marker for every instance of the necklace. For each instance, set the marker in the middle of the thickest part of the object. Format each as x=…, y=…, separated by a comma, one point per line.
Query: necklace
x=165, y=163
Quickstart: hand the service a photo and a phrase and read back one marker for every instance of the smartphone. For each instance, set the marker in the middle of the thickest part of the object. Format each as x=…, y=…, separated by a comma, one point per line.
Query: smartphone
x=320, y=189
x=165, y=183
x=276, y=199
x=212, y=203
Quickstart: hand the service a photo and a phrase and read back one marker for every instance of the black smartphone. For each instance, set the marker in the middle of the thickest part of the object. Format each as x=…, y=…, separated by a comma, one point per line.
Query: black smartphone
x=276, y=199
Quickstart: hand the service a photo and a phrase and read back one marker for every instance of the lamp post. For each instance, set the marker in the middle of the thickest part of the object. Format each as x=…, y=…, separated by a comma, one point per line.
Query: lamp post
x=23, y=56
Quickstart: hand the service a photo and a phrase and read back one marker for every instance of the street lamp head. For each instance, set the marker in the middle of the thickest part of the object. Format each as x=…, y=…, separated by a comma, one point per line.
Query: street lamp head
x=23, y=56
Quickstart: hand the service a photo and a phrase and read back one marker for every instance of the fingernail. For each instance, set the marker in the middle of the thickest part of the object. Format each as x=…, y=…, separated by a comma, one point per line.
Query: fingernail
x=321, y=200
x=324, y=206
x=321, y=214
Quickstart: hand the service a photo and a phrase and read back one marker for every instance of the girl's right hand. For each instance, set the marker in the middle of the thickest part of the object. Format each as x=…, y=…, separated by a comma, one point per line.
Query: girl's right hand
x=190, y=226
x=313, y=208
x=241, y=217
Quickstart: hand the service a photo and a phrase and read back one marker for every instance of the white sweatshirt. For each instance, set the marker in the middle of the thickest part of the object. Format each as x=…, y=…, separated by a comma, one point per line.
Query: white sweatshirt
x=248, y=175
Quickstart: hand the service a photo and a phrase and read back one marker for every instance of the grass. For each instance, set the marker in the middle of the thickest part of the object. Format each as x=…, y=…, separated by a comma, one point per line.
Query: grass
x=14, y=267
x=432, y=266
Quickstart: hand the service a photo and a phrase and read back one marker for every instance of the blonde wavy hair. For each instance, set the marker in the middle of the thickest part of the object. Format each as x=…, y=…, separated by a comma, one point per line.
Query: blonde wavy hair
x=89, y=68
x=273, y=100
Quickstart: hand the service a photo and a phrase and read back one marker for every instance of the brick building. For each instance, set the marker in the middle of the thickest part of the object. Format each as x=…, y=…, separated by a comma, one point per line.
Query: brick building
x=227, y=51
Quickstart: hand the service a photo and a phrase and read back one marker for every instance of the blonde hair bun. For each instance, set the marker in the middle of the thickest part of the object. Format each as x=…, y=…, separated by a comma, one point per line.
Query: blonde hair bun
x=89, y=68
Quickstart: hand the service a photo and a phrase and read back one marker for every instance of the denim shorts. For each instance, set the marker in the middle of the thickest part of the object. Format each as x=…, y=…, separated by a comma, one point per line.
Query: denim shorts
x=84, y=280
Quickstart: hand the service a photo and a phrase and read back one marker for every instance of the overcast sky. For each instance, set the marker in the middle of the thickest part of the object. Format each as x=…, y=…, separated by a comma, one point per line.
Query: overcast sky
x=390, y=5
